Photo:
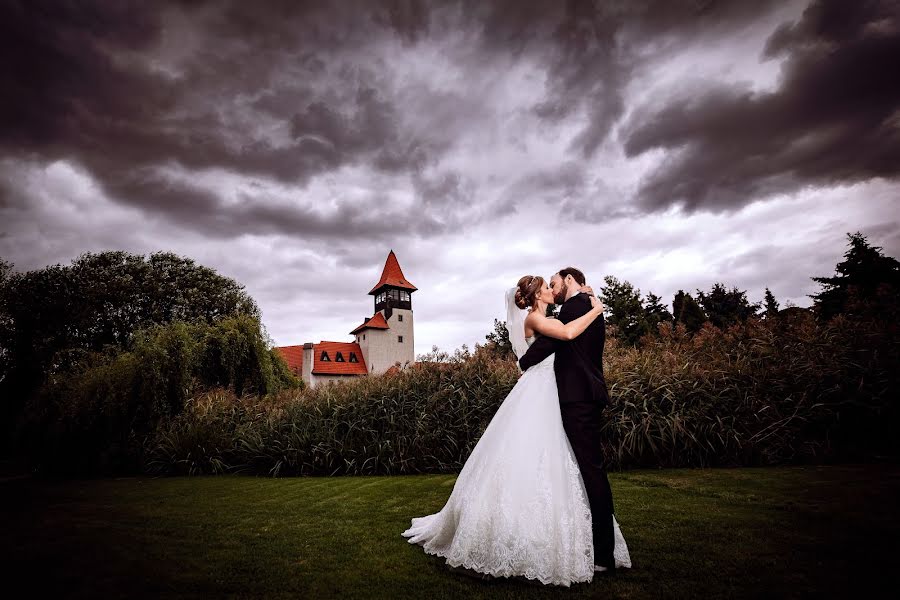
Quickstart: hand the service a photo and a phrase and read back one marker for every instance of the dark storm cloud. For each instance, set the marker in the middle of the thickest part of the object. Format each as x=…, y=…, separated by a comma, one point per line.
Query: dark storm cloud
x=197, y=207
x=80, y=83
x=590, y=49
x=833, y=118
x=90, y=82
x=590, y=52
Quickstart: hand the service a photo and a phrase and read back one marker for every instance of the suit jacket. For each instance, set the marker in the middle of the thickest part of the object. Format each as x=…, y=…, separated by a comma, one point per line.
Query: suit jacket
x=579, y=362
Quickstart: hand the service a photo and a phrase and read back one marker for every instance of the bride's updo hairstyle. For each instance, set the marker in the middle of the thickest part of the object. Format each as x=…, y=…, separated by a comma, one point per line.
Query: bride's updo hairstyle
x=529, y=289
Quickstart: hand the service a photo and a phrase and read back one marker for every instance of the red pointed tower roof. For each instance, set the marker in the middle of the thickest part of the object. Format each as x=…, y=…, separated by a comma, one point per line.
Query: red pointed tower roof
x=393, y=276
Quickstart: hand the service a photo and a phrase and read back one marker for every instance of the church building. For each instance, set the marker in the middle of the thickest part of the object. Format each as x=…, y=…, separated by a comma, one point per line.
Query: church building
x=380, y=342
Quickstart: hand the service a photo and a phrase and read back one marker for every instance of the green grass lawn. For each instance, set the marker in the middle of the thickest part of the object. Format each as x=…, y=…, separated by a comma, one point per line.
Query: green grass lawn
x=778, y=532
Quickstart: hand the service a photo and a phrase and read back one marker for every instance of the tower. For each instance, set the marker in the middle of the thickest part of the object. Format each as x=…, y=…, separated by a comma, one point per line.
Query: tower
x=387, y=337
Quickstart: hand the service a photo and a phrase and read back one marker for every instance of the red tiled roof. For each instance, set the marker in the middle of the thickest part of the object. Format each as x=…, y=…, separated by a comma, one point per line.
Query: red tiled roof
x=376, y=322
x=392, y=275
x=331, y=366
x=293, y=356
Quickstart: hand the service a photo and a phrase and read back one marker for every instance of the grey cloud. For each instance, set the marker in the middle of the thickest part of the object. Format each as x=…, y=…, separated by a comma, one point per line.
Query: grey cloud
x=591, y=49
x=197, y=208
x=833, y=118
x=560, y=186
x=288, y=91
x=73, y=92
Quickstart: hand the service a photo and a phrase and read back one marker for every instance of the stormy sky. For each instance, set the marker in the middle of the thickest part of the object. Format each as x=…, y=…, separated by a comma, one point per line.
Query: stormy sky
x=290, y=145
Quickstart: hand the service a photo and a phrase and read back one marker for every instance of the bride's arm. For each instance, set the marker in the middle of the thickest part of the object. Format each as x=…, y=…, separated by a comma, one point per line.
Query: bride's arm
x=569, y=331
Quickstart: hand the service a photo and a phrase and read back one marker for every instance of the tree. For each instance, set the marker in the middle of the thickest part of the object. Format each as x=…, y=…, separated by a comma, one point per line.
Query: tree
x=498, y=343
x=771, y=305
x=51, y=316
x=726, y=307
x=865, y=282
x=655, y=312
x=628, y=313
x=687, y=311
x=6, y=269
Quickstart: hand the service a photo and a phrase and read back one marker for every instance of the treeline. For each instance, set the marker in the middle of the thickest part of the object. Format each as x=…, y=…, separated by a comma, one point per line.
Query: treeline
x=121, y=364
x=865, y=285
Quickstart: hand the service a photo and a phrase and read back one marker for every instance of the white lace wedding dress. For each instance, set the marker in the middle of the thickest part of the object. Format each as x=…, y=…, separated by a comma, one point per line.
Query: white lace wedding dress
x=519, y=506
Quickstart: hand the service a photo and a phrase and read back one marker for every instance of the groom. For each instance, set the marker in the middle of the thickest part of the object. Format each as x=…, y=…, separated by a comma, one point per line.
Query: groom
x=582, y=396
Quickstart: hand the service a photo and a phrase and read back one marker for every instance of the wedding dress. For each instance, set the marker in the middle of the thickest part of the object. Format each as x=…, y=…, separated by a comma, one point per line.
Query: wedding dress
x=519, y=506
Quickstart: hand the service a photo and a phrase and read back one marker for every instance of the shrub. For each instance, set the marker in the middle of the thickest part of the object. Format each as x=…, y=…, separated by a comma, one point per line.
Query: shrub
x=426, y=417
x=762, y=392
x=758, y=393
x=95, y=409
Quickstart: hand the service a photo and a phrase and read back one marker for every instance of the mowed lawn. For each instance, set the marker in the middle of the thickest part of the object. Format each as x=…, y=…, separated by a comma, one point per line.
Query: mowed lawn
x=777, y=532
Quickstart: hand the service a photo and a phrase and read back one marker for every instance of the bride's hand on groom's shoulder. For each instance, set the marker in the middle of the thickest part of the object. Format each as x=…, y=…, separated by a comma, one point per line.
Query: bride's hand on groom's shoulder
x=596, y=304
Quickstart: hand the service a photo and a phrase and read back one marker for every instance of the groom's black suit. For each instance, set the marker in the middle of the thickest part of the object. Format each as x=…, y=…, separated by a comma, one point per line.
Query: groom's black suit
x=582, y=396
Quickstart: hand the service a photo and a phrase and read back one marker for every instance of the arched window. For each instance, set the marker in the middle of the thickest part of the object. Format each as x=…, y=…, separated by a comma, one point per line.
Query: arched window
x=324, y=356
x=339, y=357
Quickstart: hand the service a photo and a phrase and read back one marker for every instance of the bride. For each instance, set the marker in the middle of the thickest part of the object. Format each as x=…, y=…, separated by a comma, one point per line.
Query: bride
x=519, y=506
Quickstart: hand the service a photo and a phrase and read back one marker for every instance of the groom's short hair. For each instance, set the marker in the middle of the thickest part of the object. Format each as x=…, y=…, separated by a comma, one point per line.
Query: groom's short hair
x=575, y=273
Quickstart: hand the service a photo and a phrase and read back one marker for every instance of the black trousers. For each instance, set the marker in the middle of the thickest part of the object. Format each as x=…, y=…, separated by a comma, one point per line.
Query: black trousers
x=582, y=422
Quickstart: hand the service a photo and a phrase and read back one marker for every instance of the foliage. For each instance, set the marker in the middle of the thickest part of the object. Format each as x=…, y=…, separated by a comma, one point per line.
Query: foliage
x=425, y=418
x=628, y=316
x=213, y=398
x=758, y=393
x=687, y=312
x=498, y=343
x=725, y=307
x=655, y=312
x=865, y=282
x=771, y=305
x=91, y=416
x=99, y=301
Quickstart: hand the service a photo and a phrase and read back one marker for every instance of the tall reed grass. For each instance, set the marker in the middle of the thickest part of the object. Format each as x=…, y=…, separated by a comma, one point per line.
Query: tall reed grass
x=95, y=411
x=758, y=393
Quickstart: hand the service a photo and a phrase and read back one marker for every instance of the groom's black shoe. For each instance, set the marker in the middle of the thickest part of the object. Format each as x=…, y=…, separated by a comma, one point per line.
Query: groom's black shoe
x=604, y=570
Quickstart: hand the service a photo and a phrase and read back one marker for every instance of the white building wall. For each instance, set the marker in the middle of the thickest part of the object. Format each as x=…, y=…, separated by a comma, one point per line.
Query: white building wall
x=363, y=338
x=383, y=348
x=308, y=364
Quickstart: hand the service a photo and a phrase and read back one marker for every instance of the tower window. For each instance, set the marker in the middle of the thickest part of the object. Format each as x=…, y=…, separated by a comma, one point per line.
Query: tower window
x=324, y=357
x=400, y=339
x=364, y=336
x=339, y=357
x=353, y=357
x=404, y=296
x=399, y=317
